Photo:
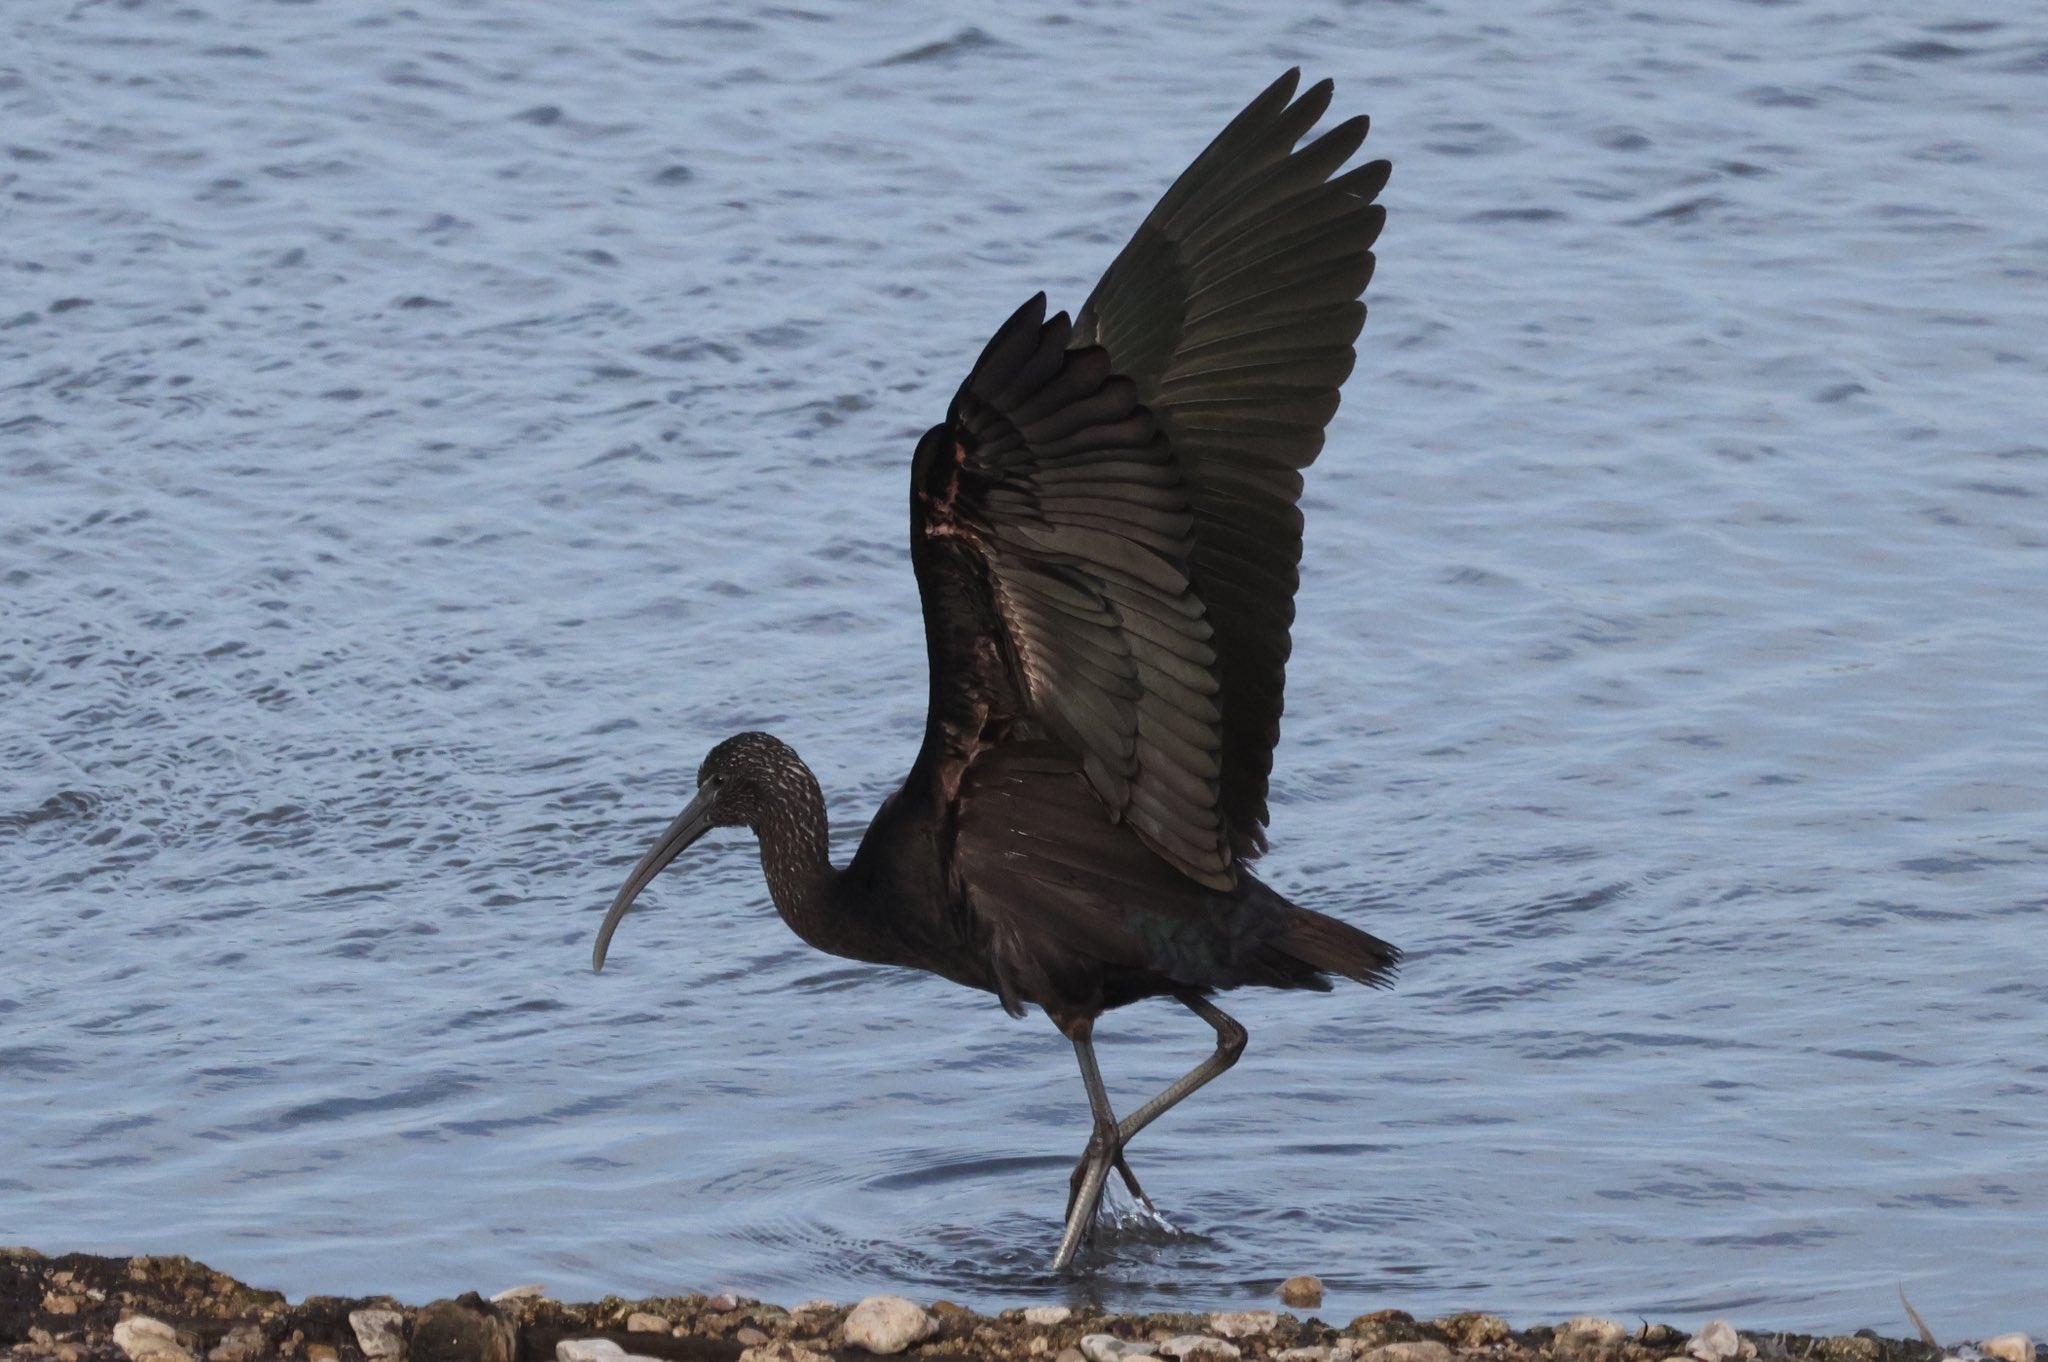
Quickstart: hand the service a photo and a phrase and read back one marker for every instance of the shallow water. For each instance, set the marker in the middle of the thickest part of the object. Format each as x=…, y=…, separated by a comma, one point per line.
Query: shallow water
x=426, y=430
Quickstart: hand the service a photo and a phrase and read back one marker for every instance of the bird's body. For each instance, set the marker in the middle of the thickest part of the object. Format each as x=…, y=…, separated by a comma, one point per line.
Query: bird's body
x=1029, y=894
x=1105, y=537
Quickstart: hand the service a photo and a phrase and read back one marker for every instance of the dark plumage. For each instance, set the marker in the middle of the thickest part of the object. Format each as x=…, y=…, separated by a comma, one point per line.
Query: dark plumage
x=1105, y=535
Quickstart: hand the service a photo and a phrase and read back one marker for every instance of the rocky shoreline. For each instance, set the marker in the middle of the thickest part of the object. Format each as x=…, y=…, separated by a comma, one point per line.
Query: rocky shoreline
x=87, y=1308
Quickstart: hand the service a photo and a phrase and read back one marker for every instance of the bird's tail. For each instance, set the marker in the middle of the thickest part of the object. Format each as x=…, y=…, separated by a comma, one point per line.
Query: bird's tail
x=1335, y=947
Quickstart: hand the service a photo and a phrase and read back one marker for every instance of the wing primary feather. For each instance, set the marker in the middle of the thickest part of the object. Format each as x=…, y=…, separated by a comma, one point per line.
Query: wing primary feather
x=1134, y=475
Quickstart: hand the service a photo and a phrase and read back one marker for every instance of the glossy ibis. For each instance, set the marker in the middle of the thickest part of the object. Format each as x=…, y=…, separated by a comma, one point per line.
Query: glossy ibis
x=1105, y=535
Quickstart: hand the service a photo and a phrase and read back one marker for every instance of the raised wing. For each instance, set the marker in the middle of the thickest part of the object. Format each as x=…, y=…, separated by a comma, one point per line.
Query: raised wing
x=1076, y=524
x=1105, y=527
x=1233, y=311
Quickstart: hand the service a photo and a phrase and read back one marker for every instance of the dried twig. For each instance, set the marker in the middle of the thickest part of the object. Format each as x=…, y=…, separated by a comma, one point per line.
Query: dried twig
x=1926, y=1334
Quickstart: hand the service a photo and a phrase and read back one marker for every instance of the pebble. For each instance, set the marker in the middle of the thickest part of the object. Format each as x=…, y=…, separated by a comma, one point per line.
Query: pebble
x=243, y=1343
x=1849, y=1348
x=1243, y=1323
x=596, y=1350
x=819, y=1303
x=782, y=1350
x=588, y=1350
x=722, y=1302
x=751, y=1337
x=641, y=1322
x=1045, y=1316
x=466, y=1329
x=887, y=1324
x=1715, y=1342
x=322, y=1352
x=531, y=1291
x=1318, y=1353
x=1474, y=1329
x=379, y=1333
x=1417, y=1350
x=2008, y=1348
x=1071, y=1355
x=1108, y=1348
x=1303, y=1293
x=149, y=1340
x=1198, y=1346
x=1586, y=1329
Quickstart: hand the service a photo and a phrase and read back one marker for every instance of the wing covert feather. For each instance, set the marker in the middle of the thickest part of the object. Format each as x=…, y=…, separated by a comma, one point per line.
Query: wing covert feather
x=1063, y=487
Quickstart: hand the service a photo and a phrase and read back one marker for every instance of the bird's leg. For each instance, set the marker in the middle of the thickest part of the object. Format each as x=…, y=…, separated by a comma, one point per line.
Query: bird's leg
x=1131, y=1181
x=1124, y=1169
x=1230, y=1039
x=1105, y=1148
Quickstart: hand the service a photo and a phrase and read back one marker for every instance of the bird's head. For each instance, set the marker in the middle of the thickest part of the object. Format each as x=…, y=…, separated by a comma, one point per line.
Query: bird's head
x=743, y=775
x=737, y=785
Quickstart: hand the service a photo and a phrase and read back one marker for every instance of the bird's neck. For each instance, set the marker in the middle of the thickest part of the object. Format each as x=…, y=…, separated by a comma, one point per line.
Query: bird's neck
x=797, y=862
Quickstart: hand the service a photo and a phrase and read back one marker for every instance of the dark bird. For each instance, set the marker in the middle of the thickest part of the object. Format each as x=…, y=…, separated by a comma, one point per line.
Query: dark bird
x=1106, y=537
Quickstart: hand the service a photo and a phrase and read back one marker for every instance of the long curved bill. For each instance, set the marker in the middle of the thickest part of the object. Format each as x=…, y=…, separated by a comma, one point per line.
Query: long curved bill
x=693, y=822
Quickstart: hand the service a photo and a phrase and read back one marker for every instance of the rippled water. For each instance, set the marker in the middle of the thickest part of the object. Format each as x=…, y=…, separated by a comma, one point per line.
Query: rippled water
x=426, y=429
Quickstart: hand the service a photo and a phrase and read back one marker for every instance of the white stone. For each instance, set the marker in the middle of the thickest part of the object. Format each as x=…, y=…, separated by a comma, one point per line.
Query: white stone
x=1109, y=1348
x=2008, y=1348
x=1045, y=1316
x=888, y=1324
x=149, y=1340
x=531, y=1291
x=1318, y=1353
x=596, y=1350
x=588, y=1350
x=1198, y=1346
x=820, y=1303
x=641, y=1322
x=1243, y=1323
x=379, y=1333
x=1715, y=1342
x=1592, y=1328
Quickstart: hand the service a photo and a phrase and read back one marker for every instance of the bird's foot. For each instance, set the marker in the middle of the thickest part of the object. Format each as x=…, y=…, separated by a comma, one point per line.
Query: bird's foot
x=1085, y=1188
x=1090, y=1179
x=1116, y=1161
